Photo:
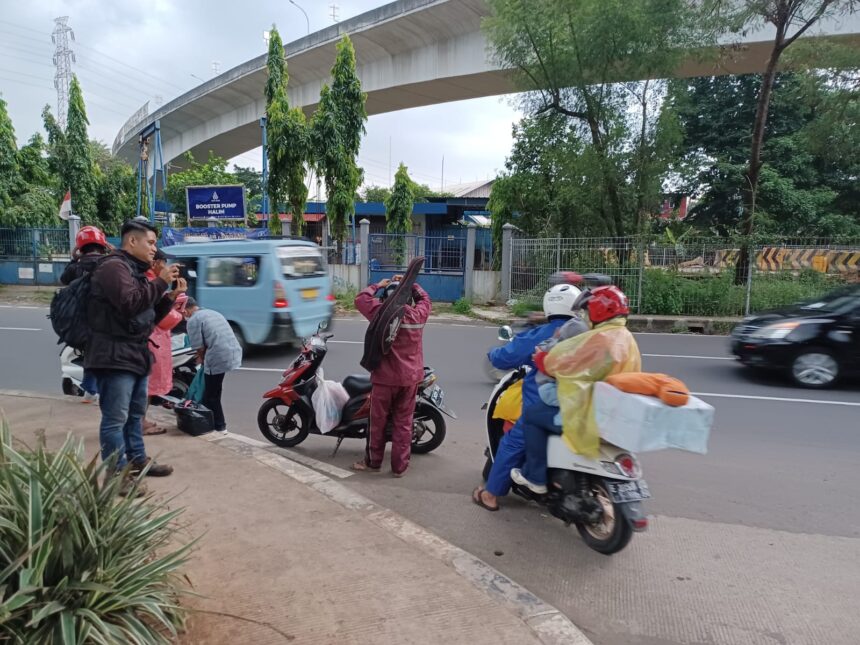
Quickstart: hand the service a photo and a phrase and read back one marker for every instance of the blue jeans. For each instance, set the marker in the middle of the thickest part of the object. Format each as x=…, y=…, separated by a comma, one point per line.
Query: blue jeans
x=122, y=400
x=89, y=384
x=538, y=423
x=510, y=454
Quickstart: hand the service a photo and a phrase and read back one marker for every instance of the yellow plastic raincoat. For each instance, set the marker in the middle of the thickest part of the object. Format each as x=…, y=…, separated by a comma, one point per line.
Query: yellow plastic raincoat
x=579, y=362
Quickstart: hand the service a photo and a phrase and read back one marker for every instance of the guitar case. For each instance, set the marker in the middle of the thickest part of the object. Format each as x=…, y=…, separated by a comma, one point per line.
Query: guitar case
x=383, y=329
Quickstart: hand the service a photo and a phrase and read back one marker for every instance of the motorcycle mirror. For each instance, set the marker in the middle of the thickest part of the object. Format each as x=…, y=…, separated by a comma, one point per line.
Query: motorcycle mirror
x=323, y=325
x=505, y=332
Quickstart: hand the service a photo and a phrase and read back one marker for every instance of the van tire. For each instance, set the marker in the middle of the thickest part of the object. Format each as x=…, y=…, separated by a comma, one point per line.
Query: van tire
x=240, y=337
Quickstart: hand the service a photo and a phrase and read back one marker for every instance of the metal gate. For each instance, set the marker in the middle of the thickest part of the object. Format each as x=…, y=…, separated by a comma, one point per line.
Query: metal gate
x=443, y=275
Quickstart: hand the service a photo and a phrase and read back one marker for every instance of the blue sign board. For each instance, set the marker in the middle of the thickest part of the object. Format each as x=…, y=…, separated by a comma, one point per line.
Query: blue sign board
x=215, y=202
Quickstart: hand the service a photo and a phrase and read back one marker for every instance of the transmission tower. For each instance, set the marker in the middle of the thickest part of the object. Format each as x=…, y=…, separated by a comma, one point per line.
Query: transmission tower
x=63, y=59
x=334, y=8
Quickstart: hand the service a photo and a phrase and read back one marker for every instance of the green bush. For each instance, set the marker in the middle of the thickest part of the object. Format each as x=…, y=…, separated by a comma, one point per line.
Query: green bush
x=669, y=293
x=78, y=563
x=463, y=307
x=522, y=308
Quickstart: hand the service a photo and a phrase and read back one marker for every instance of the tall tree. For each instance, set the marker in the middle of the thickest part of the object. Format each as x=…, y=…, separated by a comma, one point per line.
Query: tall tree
x=289, y=148
x=809, y=177
x=398, y=210
x=790, y=19
x=210, y=173
x=375, y=194
x=252, y=180
x=337, y=128
x=70, y=155
x=569, y=57
x=9, y=176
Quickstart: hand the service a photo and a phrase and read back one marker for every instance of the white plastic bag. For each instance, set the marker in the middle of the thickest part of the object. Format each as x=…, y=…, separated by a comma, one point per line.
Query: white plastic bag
x=328, y=401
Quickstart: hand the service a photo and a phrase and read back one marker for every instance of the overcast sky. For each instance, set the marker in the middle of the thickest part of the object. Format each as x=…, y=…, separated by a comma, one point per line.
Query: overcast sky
x=129, y=52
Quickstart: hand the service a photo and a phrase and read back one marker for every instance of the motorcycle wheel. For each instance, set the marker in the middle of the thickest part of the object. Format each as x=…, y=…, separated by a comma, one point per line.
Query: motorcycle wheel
x=282, y=424
x=427, y=421
x=181, y=380
x=613, y=532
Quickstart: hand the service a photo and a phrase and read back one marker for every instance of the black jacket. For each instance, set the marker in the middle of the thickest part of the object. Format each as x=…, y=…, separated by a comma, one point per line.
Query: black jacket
x=123, y=310
x=80, y=266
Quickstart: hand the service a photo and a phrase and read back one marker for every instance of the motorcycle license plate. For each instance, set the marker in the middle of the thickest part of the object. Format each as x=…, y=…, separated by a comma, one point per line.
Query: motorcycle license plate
x=437, y=395
x=310, y=294
x=629, y=491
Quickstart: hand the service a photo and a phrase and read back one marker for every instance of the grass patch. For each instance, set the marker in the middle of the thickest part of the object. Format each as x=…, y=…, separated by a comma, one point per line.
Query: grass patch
x=345, y=299
x=462, y=307
x=522, y=308
x=667, y=293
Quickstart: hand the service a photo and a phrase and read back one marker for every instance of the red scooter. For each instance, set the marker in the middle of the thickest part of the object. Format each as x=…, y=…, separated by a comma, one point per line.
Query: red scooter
x=287, y=416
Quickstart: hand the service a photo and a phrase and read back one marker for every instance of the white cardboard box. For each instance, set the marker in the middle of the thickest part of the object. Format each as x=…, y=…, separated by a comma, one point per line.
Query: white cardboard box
x=644, y=423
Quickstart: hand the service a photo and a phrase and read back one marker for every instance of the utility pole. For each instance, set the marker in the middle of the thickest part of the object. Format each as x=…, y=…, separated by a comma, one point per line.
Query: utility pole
x=442, y=188
x=63, y=59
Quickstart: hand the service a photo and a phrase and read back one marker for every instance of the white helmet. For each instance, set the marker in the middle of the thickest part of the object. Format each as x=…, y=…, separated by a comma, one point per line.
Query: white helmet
x=558, y=300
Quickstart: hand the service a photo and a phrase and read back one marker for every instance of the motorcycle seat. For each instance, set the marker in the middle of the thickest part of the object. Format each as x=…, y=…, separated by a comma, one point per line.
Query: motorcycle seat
x=356, y=384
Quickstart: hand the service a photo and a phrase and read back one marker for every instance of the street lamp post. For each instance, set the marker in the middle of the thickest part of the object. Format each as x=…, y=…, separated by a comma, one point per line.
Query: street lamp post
x=292, y=2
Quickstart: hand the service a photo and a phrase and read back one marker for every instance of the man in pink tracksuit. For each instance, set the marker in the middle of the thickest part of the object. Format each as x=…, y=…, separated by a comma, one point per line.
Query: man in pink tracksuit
x=395, y=381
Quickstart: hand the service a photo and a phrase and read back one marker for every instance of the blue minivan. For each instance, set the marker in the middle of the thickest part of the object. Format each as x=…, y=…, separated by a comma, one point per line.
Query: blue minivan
x=272, y=292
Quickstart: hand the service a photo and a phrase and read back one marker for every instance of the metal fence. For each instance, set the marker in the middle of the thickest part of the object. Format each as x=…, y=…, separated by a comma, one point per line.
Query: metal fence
x=33, y=244
x=697, y=277
x=442, y=254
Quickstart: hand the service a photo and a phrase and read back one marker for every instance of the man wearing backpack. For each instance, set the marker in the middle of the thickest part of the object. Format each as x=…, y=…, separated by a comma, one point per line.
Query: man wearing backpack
x=91, y=246
x=123, y=308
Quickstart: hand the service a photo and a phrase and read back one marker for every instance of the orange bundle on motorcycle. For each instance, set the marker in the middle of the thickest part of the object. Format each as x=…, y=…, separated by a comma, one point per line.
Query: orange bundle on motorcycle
x=669, y=390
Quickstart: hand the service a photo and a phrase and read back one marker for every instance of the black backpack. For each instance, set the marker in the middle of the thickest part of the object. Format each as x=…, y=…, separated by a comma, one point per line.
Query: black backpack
x=69, y=312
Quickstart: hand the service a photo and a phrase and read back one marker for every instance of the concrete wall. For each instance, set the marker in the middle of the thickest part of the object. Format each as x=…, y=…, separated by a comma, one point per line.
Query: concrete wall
x=485, y=286
x=344, y=277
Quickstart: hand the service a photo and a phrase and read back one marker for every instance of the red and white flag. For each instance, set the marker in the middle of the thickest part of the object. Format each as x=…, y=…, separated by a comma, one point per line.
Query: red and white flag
x=66, y=206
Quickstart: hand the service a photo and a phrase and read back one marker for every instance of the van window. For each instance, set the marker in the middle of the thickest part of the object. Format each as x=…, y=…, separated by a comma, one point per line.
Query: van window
x=232, y=271
x=300, y=261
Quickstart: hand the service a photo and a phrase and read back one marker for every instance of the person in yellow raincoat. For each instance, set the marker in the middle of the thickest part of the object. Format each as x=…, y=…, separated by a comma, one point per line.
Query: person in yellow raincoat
x=576, y=364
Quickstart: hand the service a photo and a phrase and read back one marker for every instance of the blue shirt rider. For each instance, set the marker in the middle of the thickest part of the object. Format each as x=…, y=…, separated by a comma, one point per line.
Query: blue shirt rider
x=558, y=307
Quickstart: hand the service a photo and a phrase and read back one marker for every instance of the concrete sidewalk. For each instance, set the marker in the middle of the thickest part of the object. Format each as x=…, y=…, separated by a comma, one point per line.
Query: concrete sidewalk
x=296, y=557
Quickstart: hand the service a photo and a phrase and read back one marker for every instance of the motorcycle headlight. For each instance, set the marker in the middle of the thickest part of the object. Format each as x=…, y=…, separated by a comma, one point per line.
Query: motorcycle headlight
x=775, y=332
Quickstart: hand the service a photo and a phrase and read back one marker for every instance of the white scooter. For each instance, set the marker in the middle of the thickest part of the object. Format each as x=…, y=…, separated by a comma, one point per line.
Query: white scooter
x=602, y=497
x=184, y=367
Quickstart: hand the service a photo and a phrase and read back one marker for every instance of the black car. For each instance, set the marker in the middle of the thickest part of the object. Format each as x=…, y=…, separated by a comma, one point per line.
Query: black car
x=816, y=343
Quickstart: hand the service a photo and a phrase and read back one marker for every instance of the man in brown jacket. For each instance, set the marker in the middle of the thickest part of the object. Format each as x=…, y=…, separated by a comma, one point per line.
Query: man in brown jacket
x=124, y=308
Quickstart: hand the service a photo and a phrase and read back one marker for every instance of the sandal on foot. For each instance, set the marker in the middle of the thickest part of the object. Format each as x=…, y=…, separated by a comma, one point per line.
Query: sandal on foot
x=362, y=467
x=154, y=429
x=478, y=498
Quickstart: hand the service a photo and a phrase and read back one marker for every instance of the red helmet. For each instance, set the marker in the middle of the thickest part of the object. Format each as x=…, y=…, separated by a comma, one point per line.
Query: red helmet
x=606, y=303
x=90, y=235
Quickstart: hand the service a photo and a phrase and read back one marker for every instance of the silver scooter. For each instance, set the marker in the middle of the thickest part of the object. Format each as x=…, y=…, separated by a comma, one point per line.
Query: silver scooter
x=184, y=368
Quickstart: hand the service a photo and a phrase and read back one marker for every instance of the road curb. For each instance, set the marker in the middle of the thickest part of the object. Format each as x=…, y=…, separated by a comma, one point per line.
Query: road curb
x=550, y=626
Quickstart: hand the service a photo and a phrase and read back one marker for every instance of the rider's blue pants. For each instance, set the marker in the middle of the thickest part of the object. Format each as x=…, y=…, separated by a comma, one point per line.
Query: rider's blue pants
x=511, y=453
x=538, y=422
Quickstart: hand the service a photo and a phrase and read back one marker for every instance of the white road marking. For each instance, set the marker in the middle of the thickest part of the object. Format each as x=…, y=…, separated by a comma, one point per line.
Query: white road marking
x=262, y=369
x=20, y=329
x=775, y=398
x=704, y=358
x=347, y=342
x=21, y=307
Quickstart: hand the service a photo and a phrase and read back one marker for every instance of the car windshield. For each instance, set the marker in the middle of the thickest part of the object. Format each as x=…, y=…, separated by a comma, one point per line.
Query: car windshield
x=837, y=302
x=300, y=261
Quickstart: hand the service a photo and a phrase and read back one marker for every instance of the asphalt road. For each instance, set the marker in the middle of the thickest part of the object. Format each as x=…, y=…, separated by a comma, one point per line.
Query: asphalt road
x=756, y=542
